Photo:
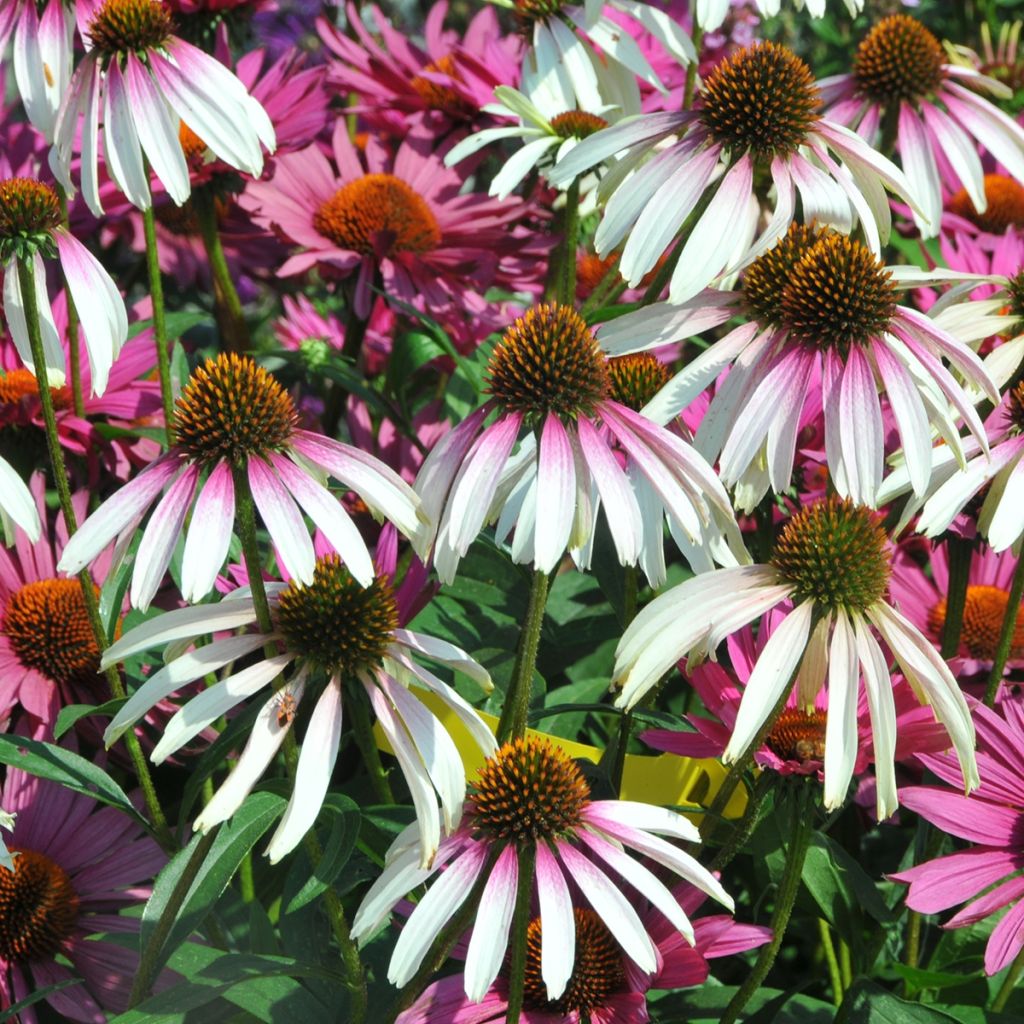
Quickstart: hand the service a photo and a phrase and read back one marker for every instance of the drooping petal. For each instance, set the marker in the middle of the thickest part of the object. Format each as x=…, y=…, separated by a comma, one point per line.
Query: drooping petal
x=489, y=940
x=841, y=723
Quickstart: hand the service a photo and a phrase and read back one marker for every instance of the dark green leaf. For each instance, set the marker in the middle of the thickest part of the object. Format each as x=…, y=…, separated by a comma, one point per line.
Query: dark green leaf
x=344, y=818
x=39, y=995
x=868, y=1003
x=67, y=716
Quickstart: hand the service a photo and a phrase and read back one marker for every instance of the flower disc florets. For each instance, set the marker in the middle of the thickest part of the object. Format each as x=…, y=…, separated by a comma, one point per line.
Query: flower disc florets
x=335, y=623
x=442, y=97
x=984, y=611
x=18, y=384
x=834, y=552
x=798, y=735
x=378, y=215
x=1005, y=207
x=48, y=628
x=233, y=409
x=38, y=907
x=577, y=124
x=899, y=59
x=635, y=379
x=29, y=212
x=597, y=971
x=528, y=790
x=761, y=99
x=130, y=26
x=537, y=10
x=766, y=278
x=548, y=361
x=838, y=294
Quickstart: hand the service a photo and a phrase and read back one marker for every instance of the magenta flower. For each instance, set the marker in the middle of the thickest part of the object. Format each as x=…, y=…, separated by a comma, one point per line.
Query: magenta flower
x=992, y=821
x=148, y=82
x=76, y=865
x=549, y=380
x=900, y=71
x=531, y=794
x=234, y=417
x=605, y=987
x=403, y=216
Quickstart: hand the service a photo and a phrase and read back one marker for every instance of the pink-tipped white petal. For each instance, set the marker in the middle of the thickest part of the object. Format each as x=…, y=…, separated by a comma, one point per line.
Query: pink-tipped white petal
x=878, y=687
x=209, y=534
x=284, y=522
x=841, y=724
x=558, y=924
x=489, y=940
x=14, y=311
x=556, y=482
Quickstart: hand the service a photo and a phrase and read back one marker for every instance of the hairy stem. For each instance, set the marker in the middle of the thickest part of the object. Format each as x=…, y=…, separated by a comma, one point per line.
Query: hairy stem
x=527, y=854
x=229, y=306
x=517, y=701
x=156, y=291
x=960, y=551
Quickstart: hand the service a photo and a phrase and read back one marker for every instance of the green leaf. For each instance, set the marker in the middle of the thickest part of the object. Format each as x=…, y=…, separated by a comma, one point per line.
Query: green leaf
x=412, y=350
x=67, y=716
x=115, y=586
x=39, y=995
x=344, y=817
x=868, y=1003
x=918, y=979
x=234, y=840
x=48, y=761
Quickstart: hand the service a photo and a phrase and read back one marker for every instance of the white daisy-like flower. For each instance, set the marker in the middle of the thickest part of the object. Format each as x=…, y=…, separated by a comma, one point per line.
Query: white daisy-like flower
x=832, y=562
x=341, y=638
x=710, y=14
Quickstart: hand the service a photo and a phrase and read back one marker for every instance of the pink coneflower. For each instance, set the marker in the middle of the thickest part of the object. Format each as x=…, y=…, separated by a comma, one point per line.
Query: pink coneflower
x=549, y=379
x=758, y=113
x=43, y=50
x=832, y=562
x=796, y=743
x=531, y=799
x=403, y=216
x=1003, y=211
x=234, y=418
x=992, y=821
x=31, y=229
x=393, y=79
x=605, y=987
x=922, y=597
x=148, y=82
x=826, y=321
x=75, y=867
x=345, y=643
x=902, y=84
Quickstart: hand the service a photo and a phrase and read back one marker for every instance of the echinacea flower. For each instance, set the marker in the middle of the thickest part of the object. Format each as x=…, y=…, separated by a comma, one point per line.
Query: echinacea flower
x=825, y=320
x=42, y=58
x=1004, y=209
x=986, y=877
x=344, y=641
x=147, y=82
x=605, y=987
x=902, y=81
x=530, y=798
x=548, y=377
x=235, y=424
x=31, y=230
x=758, y=114
x=403, y=216
x=831, y=561
x=76, y=865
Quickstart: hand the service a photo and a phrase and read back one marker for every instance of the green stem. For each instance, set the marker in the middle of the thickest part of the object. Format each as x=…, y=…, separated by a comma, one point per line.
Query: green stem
x=629, y=602
x=363, y=730
x=1013, y=603
x=156, y=291
x=829, y=951
x=150, y=959
x=26, y=280
x=959, y=557
x=567, y=286
x=1009, y=983
x=845, y=963
x=520, y=924
x=512, y=723
x=245, y=518
x=745, y=826
x=789, y=886
x=74, y=340
x=228, y=304
x=245, y=879
x=913, y=953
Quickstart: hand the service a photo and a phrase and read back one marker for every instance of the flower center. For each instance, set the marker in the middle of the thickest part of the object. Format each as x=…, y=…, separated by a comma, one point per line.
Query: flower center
x=597, y=973
x=232, y=409
x=591, y=270
x=576, y=124
x=984, y=611
x=528, y=790
x=548, y=361
x=378, y=215
x=1005, y=205
x=48, y=629
x=29, y=211
x=834, y=552
x=38, y=907
x=798, y=735
x=838, y=294
x=634, y=380
x=191, y=145
x=442, y=97
x=537, y=10
x=130, y=26
x=899, y=59
x=762, y=99
x=337, y=624
x=766, y=278
x=19, y=384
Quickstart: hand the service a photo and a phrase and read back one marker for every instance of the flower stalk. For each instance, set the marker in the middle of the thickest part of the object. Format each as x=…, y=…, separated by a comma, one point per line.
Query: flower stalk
x=74, y=337
x=517, y=701
x=228, y=304
x=960, y=552
x=1013, y=609
x=156, y=291
x=527, y=854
